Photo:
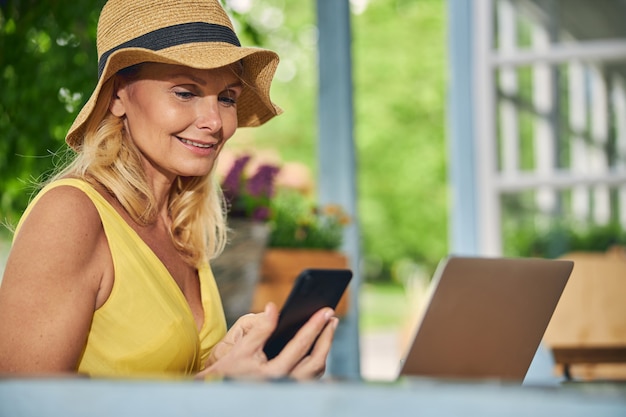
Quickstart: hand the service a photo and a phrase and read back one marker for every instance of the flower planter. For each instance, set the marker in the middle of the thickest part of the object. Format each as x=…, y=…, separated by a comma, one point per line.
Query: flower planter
x=280, y=267
x=237, y=269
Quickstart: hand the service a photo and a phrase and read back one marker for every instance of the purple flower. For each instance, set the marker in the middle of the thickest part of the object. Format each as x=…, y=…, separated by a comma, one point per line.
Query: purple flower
x=261, y=213
x=234, y=178
x=261, y=184
x=249, y=197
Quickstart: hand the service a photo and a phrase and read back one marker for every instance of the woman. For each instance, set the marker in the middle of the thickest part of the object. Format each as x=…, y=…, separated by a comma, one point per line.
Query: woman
x=108, y=274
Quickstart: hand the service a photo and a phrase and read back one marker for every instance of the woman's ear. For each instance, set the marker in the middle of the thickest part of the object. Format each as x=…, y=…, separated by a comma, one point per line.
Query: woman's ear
x=117, y=104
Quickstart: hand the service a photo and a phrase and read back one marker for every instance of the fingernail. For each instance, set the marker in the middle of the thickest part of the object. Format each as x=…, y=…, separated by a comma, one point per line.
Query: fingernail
x=329, y=314
x=335, y=323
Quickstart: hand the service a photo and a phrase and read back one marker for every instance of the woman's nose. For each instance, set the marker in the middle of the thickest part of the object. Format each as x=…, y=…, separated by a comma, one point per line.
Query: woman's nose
x=208, y=115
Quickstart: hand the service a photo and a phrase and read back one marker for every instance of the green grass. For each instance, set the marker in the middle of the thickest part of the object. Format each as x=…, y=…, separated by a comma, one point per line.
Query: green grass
x=382, y=306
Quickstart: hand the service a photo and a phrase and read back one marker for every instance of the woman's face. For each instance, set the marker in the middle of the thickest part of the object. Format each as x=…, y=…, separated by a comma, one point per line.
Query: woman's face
x=178, y=117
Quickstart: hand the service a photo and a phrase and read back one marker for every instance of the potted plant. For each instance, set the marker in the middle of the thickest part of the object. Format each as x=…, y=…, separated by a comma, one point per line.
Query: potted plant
x=302, y=235
x=248, y=190
x=297, y=222
x=248, y=195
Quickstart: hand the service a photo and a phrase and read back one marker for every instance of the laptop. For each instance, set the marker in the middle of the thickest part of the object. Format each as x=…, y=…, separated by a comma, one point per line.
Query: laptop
x=485, y=318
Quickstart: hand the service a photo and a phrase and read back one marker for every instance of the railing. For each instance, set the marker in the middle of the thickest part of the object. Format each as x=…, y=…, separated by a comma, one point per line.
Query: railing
x=106, y=398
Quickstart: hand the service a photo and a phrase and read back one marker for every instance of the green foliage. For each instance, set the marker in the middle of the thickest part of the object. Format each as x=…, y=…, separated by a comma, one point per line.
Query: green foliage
x=298, y=223
x=384, y=306
x=294, y=89
x=47, y=70
x=566, y=237
x=399, y=70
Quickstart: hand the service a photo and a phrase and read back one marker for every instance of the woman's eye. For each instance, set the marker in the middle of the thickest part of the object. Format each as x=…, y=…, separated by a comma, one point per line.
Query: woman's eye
x=185, y=95
x=228, y=99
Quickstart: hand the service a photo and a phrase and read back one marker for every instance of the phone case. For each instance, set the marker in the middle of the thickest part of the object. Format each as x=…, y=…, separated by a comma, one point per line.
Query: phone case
x=312, y=290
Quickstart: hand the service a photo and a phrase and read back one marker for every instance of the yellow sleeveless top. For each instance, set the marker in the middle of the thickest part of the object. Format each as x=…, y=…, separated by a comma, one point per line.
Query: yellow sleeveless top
x=146, y=327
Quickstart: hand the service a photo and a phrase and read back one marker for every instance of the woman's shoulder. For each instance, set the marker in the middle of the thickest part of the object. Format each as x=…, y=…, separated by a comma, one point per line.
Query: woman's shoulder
x=71, y=187
x=66, y=206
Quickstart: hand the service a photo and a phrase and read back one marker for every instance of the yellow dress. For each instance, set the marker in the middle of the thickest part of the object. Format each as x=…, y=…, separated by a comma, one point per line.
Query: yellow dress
x=146, y=327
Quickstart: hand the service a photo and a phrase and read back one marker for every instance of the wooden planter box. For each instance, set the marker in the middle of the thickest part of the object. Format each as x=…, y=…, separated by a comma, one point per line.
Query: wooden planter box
x=587, y=332
x=280, y=267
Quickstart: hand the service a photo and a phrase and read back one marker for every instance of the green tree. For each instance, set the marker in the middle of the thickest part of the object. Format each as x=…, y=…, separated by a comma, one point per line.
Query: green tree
x=400, y=78
x=47, y=69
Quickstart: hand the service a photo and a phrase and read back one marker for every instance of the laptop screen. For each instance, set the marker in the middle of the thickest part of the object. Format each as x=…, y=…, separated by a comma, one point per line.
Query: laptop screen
x=485, y=317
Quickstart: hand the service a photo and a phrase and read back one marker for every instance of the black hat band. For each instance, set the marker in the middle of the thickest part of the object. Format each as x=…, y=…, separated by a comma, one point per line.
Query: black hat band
x=175, y=35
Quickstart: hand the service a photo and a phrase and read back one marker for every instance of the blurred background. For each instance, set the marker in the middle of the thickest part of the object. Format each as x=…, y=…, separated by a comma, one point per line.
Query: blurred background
x=479, y=127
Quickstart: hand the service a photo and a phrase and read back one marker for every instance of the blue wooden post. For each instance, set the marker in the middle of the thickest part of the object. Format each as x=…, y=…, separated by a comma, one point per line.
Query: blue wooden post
x=337, y=165
x=464, y=237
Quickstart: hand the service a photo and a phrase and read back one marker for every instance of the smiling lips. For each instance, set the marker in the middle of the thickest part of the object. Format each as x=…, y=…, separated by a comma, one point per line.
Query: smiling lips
x=197, y=144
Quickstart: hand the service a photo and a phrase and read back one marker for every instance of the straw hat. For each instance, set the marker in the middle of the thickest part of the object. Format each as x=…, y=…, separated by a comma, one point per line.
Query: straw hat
x=194, y=33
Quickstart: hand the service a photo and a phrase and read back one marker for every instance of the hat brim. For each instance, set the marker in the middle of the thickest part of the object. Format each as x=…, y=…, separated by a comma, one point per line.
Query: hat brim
x=254, y=106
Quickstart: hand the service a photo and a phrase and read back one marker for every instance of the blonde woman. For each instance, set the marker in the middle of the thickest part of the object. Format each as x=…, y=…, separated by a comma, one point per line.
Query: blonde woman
x=108, y=274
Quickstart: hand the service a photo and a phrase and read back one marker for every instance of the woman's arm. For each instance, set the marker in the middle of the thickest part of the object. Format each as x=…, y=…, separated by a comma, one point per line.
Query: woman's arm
x=58, y=272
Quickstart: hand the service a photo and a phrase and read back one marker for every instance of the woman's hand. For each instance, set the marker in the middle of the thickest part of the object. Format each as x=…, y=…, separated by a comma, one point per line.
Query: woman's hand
x=240, y=354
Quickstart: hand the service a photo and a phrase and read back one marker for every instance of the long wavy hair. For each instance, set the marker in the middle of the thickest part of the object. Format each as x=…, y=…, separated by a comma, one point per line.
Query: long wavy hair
x=108, y=157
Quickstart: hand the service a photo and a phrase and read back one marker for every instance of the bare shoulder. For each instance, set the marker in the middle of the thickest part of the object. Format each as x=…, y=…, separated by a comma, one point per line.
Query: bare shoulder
x=62, y=206
x=65, y=231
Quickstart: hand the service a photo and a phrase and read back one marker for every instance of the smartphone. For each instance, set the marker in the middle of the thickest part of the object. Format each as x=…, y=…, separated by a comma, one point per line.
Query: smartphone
x=312, y=290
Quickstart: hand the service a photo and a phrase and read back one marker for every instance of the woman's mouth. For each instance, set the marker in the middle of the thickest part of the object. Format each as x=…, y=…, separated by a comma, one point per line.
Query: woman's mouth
x=196, y=144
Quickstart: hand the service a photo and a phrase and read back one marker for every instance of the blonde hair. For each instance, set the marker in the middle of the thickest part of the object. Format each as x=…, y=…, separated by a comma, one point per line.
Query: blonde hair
x=196, y=204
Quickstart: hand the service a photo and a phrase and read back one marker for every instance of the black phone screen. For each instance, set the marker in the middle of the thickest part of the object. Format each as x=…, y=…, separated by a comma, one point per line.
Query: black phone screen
x=312, y=290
